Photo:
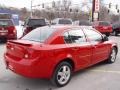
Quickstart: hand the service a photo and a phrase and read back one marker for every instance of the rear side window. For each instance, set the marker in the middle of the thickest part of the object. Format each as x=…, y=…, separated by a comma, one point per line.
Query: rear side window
x=65, y=21
x=39, y=34
x=6, y=23
x=74, y=36
x=104, y=23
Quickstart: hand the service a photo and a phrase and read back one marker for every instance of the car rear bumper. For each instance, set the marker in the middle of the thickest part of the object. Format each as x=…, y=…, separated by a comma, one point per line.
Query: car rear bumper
x=10, y=36
x=28, y=68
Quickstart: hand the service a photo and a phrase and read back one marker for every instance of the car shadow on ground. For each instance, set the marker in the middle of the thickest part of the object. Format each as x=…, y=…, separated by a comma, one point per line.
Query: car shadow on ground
x=43, y=84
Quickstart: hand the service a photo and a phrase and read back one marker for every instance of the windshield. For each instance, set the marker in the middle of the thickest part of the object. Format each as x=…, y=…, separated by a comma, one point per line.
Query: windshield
x=6, y=23
x=39, y=34
x=65, y=21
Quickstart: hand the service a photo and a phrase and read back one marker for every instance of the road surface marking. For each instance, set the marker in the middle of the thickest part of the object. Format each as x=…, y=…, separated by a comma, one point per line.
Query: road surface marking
x=106, y=71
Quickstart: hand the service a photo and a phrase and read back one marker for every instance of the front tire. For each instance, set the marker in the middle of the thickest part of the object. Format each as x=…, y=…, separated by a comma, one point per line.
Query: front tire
x=112, y=57
x=62, y=74
x=107, y=34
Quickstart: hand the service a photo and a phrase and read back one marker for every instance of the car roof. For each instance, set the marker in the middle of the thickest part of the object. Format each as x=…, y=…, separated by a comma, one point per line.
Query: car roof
x=63, y=27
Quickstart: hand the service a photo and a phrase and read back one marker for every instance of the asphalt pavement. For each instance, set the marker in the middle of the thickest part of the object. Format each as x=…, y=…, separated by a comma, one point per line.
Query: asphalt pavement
x=98, y=77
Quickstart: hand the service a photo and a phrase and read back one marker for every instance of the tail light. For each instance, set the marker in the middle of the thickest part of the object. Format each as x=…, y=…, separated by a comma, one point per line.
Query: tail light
x=14, y=31
x=26, y=56
x=11, y=29
x=29, y=53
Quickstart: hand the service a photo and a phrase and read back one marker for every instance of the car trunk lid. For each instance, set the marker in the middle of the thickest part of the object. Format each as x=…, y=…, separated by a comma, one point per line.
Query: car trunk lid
x=18, y=48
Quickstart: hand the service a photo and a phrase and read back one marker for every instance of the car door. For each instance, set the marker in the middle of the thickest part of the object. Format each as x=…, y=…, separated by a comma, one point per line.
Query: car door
x=100, y=48
x=79, y=48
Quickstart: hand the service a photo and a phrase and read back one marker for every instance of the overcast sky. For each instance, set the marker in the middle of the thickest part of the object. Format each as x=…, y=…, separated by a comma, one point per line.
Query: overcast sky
x=26, y=3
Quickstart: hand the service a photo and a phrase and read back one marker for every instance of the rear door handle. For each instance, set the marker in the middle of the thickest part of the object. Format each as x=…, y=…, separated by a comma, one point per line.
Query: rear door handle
x=75, y=48
x=95, y=46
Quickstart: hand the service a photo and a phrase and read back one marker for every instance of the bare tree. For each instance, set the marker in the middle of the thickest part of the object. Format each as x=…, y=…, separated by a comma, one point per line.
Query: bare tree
x=66, y=6
x=62, y=8
x=24, y=13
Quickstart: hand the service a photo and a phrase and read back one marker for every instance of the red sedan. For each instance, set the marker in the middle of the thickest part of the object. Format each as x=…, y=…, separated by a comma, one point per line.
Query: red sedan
x=56, y=52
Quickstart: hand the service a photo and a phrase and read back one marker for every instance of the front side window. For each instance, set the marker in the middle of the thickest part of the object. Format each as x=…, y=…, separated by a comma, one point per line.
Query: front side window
x=93, y=35
x=39, y=34
x=74, y=36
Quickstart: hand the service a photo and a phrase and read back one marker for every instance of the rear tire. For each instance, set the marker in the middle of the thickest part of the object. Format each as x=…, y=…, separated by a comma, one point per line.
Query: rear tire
x=112, y=56
x=62, y=74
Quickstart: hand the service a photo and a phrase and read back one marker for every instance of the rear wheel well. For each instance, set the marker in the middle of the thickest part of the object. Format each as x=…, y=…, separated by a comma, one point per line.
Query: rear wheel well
x=70, y=61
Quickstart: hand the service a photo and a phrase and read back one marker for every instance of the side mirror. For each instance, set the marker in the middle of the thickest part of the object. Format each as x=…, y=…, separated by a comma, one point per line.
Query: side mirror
x=105, y=38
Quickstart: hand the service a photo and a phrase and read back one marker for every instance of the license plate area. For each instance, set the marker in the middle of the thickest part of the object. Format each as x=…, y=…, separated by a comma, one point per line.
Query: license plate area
x=3, y=32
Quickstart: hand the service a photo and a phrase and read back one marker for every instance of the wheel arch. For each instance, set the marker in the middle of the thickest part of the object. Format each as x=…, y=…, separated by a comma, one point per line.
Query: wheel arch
x=115, y=46
x=68, y=60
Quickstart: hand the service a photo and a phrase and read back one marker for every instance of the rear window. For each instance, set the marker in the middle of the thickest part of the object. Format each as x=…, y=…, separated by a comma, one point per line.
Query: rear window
x=104, y=23
x=36, y=22
x=39, y=34
x=65, y=21
x=6, y=23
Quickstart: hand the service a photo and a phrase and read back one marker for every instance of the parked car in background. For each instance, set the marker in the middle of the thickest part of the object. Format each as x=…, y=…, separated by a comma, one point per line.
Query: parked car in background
x=31, y=24
x=103, y=26
x=62, y=21
x=83, y=23
x=56, y=52
x=7, y=30
x=116, y=28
